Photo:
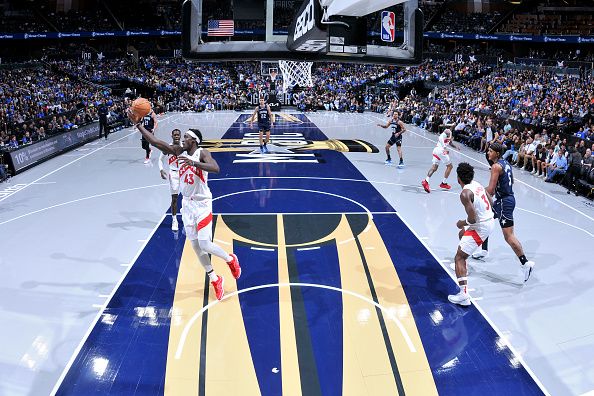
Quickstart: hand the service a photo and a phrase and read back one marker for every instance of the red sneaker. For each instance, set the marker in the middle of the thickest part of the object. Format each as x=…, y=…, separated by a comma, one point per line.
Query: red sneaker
x=426, y=186
x=218, y=287
x=445, y=186
x=234, y=266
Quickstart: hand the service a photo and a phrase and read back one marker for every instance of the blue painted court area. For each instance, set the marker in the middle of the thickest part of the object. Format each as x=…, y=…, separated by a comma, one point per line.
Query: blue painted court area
x=127, y=350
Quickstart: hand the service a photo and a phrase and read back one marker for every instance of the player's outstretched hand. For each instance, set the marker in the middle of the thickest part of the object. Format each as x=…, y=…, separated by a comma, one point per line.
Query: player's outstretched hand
x=460, y=224
x=131, y=116
x=163, y=175
x=183, y=160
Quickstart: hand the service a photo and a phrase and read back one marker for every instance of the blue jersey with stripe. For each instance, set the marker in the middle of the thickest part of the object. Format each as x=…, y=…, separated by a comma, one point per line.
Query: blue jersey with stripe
x=505, y=181
x=263, y=118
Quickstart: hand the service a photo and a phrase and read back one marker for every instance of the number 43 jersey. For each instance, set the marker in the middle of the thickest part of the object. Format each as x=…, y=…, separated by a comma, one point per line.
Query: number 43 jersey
x=482, y=207
x=193, y=181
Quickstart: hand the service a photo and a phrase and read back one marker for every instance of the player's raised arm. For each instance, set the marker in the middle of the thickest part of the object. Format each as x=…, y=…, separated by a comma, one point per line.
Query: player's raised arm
x=387, y=125
x=158, y=143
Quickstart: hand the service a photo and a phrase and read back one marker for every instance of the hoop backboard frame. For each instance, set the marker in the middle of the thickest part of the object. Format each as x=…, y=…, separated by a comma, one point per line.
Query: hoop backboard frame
x=275, y=47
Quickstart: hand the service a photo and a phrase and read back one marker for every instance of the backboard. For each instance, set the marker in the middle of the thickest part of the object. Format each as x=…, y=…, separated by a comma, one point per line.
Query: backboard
x=311, y=30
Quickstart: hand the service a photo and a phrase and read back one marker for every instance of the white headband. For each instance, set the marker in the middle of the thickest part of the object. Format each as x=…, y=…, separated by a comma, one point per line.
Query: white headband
x=191, y=133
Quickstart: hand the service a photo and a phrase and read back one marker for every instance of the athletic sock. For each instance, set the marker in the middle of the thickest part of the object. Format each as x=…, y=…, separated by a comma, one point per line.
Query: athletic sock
x=523, y=259
x=445, y=181
x=389, y=157
x=427, y=179
x=211, y=274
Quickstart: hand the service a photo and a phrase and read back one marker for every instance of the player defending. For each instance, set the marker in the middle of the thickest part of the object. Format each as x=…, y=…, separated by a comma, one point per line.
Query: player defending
x=500, y=185
x=474, y=230
x=195, y=164
x=441, y=153
x=172, y=176
x=398, y=129
x=265, y=123
x=149, y=122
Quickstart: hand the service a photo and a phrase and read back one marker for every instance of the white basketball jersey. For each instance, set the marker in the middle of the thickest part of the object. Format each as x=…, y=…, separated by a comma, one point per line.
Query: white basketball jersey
x=481, y=204
x=193, y=182
x=444, y=142
x=172, y=161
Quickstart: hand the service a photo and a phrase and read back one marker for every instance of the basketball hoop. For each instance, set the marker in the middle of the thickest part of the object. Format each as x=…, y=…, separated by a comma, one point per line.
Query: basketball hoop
x=295, y=73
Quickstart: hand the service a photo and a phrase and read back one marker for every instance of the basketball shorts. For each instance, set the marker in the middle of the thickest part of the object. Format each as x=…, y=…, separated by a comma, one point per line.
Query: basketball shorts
x=174, y=182
x=395, y=140
x=197, y=218
x=504, y=211
x=475, y=235
x=264, y=127
x=439, y=156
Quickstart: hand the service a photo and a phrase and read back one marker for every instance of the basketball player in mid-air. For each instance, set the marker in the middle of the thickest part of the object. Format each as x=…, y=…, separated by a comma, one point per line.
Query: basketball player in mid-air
x=265, y=123
x=441, y=153
x=149, y=122
x=501, y=187
x=195, y=164
x=398, y=129
x=473, y=230
x=172, y=175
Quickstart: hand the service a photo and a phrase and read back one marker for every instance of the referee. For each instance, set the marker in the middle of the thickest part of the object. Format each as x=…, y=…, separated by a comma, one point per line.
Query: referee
x=103, y=119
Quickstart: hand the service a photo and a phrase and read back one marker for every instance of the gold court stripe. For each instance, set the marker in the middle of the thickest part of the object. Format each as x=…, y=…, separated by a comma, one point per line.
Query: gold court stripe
x=366, y=365
x=181, y=375
x=365, y=145
x=291, y=383
x=229, y=366
x=413, y=366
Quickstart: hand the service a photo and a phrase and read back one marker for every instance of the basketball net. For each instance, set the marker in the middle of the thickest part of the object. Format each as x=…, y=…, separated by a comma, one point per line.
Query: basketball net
x=295, y=73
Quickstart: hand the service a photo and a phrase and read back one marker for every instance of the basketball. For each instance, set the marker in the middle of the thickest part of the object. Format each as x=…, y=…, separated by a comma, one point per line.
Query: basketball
x=140, y=108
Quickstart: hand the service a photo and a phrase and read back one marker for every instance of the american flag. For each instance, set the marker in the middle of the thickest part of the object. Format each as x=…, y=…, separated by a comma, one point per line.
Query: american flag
x=220, y=27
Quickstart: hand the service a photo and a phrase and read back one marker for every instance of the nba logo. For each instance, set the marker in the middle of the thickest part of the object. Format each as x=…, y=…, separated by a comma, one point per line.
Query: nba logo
x=388, y=19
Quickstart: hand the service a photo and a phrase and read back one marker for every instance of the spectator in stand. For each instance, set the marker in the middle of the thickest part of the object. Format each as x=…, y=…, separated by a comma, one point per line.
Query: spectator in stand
x=538, y=159
x=14, y=143
x=26, y=139
x=582, y=148
x=558, y=168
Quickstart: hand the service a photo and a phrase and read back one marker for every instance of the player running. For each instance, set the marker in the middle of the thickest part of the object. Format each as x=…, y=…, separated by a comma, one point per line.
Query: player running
x=172, y=175
x=441, y=153
x=195, y=164
x=501, y=186
x=265, y=123
x=398, y=129
x=149, y=122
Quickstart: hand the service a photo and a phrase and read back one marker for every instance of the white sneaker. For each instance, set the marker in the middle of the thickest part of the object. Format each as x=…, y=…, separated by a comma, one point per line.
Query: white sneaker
x=174, y=225
x=460, y=299
x=527, y=269
x=481, y=255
